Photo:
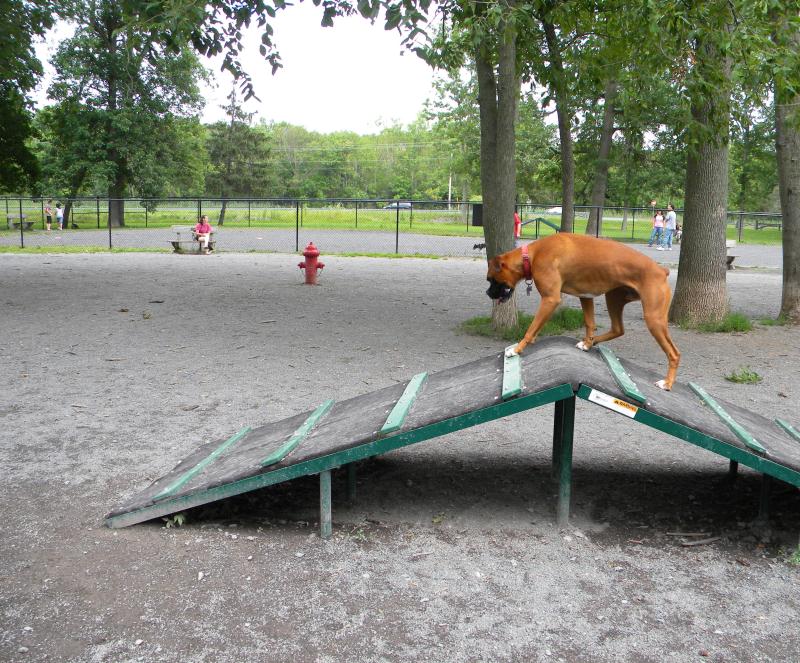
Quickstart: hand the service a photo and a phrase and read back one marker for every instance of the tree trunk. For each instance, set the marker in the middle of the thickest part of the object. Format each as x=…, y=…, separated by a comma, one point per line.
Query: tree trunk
x=564, y=129
x=116, y=191
x=74, y=186
x=787, y=140
x=116, y=200
x=701, y=293
x=498, y=96
x=744, y=175
x=223, y=207
x=600, y=184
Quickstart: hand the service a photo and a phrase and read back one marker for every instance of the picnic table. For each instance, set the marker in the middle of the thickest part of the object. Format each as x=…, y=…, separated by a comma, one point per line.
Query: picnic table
x=14, y=221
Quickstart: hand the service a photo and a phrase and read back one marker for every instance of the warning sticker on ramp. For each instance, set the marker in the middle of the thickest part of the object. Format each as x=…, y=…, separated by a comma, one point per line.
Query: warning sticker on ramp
x=612, y=403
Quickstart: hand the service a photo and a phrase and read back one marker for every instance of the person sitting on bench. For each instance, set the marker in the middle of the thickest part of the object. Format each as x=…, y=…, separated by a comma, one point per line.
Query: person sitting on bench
x=202, y=233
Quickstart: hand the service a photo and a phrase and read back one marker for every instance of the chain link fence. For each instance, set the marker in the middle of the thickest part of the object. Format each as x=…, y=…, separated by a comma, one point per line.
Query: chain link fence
x=287, y=225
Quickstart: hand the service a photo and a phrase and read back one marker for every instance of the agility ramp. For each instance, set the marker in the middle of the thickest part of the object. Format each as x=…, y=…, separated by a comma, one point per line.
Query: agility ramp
x=336, y=435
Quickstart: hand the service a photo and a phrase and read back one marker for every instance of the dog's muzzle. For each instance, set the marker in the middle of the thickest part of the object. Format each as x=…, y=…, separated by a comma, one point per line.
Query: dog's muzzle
x=499, y=291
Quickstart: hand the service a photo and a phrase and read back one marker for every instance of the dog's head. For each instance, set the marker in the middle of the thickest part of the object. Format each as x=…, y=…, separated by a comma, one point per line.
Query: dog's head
x=502, y=280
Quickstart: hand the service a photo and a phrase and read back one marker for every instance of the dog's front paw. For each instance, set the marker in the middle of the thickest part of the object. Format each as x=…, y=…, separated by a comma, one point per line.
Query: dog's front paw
x=661, y=384
x=511, y=350
x=582, y=346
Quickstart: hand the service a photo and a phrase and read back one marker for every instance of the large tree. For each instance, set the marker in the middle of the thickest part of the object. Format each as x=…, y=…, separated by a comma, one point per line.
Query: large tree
x=118, y=96
x=786, y=31
x=699, y=39
x=21, y=21
x=238, y=156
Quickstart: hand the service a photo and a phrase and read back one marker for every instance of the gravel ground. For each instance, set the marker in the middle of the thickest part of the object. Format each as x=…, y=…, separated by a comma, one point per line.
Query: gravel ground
x=117, y=366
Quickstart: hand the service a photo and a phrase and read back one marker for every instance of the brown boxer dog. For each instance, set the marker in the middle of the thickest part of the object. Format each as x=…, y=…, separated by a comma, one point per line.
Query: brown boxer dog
x=587, y=267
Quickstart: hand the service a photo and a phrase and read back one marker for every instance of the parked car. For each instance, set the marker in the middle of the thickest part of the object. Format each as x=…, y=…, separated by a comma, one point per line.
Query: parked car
x=397, y=205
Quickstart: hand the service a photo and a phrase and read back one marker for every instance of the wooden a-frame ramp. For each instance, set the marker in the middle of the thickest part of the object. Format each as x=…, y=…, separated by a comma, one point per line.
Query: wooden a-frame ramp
x=551, y=371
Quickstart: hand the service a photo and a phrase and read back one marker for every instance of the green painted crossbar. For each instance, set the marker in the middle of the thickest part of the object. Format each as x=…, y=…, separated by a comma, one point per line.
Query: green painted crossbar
x=789, y=428
x=187, y=476
x=299, y=435
x=401, y=409
x=512, y=374
x=729, y=421
x=624, y=380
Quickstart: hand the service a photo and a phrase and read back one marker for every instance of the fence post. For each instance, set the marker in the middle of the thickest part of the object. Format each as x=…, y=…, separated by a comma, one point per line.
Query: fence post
x=145, y=213
x=741, y=225
x=356, y=215
x=296, y=225
x=199, y=208
x=411, y=214
x=633, y=223
x=21, y=231
x=248, y=212
x=397, y=229
x=42, y=201
x=108, y=223
x=97, y=199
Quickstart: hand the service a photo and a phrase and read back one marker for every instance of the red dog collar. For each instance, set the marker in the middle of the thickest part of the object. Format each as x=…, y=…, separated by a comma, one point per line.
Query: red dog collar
x=526, y=263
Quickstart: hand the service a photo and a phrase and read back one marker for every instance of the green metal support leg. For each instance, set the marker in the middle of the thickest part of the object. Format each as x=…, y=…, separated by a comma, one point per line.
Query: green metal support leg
x=733, y=470
x=565, y=461
x=351, y=483
x=325, y=521
x=558, y=426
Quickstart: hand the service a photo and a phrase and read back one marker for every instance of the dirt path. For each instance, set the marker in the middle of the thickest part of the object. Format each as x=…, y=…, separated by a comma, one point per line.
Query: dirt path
x=114, y=367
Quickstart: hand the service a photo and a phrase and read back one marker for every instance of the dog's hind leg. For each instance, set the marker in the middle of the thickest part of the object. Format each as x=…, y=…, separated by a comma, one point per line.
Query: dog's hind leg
x=655, y=306
x=615, y=303
x=587, y=304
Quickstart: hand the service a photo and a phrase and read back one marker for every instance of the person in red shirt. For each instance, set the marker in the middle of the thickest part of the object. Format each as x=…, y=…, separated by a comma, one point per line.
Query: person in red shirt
x=517, y=227
x=202, y=233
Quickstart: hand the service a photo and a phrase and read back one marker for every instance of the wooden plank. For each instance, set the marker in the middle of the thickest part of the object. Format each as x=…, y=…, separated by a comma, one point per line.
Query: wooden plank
x=299, y=435
x=187, y=476
x=791, y=430
x=512, y=374
x=124, y=518
x=403, y=405
x=624, y=380
x=728, y=420
x=695, y=436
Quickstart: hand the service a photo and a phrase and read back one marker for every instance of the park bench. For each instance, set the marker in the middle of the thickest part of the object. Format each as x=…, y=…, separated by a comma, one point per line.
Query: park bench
x=730, y=257
x=186, y=242
x=14, y=221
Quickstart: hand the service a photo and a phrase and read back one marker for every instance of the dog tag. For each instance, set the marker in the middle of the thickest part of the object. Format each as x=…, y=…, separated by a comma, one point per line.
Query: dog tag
x=529, y=289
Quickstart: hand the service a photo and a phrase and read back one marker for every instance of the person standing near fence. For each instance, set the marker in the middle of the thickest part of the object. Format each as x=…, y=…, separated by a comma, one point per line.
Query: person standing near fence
x=670, y=225
x=517, y=228
x=48, y=214
x=658, y=230
x=59, y=216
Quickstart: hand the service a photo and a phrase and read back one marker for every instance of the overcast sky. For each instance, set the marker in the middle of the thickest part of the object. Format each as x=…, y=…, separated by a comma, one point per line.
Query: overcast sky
x=348, y=77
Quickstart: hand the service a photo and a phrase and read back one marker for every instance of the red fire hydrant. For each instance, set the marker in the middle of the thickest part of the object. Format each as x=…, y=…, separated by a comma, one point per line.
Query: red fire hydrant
x=311, y=263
